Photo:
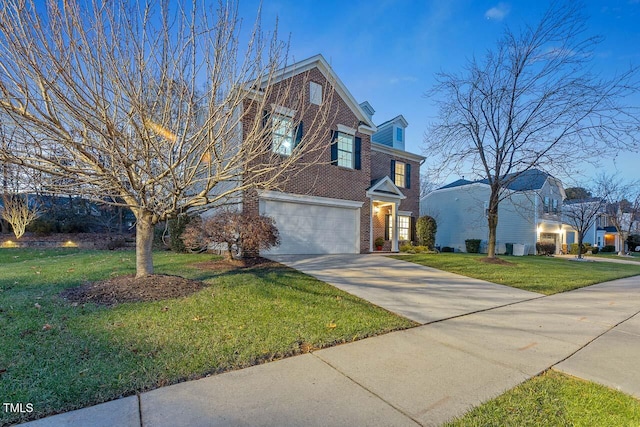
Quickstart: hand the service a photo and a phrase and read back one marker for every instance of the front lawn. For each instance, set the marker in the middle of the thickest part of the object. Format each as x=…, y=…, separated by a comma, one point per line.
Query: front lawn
x=59, y=355
x=545, y=275
x=633, y=256
x=555, y=399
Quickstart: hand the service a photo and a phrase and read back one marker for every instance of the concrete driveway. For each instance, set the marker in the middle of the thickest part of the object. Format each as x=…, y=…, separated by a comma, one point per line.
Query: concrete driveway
x=419, y=293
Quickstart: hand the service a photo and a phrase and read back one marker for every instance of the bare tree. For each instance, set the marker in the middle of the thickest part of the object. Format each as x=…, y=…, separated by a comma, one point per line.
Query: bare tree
x=17, y=211
x=622, y=205
x=581, y=214
x=532, y=102
x=150, y=105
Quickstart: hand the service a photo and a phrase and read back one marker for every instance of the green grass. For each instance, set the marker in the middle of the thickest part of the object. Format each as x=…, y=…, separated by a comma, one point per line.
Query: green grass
x=545, y=275
x=554, y=399
x=635, y=256
x=93, y=354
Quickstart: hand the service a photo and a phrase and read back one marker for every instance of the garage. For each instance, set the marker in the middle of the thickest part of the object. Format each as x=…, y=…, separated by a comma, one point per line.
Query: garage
x=313, y=225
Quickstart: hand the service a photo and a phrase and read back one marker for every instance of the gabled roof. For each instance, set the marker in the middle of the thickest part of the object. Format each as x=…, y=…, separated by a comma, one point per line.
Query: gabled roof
x=385, y=188
x=321, y=64
x=532, y=179
x=396, y=120
x=457, y=183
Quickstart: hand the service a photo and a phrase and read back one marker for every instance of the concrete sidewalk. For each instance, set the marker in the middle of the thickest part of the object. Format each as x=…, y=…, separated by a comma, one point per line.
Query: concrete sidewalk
x=422, y=376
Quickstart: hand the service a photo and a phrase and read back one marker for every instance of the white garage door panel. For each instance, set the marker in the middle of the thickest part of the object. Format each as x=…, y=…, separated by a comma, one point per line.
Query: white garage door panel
x=313, y=229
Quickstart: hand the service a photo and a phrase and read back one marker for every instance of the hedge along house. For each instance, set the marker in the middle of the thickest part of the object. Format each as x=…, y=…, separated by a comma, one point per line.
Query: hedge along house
x=530, y=213
x=356, y=190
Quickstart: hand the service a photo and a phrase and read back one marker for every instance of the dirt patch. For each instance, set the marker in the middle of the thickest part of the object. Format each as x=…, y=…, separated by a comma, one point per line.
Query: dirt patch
x=129, y=289
x=497, y=261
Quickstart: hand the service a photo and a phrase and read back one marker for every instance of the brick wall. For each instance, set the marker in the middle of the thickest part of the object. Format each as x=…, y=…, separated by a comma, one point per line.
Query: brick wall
x=321, y=178
x=381, y=167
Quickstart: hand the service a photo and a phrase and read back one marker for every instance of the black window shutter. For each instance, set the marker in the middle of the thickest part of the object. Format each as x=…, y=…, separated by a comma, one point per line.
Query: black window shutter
x=298, y=135
x=393, y=171
x=387, y=220
x=266, y=124
x=334, y=147
x=407, y=176
x=357, y=163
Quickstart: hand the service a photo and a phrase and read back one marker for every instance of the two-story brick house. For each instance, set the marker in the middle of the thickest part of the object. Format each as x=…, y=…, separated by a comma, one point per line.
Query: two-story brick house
x=357, y=189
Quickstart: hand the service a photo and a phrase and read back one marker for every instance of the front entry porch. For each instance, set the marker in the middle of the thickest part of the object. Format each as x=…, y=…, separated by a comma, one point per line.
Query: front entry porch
x=387, y=222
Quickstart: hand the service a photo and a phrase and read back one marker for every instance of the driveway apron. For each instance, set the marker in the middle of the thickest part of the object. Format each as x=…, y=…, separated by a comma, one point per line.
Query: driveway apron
x=419, y=293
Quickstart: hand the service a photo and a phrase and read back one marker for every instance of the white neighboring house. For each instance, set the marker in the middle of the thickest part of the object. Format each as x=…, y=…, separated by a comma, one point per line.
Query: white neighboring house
x=588, y=214
x=530, y=213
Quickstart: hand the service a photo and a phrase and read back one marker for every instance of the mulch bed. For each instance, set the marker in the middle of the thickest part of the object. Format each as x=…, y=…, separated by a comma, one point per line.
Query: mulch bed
x=129, y=289
x=237, y=264
x=497, y=261
x=155, y=287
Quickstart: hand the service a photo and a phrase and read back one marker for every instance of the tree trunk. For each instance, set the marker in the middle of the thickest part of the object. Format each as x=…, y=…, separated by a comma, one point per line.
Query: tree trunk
x=144, y=244
x=493, y=226
x=492, y=220
x=580, y=238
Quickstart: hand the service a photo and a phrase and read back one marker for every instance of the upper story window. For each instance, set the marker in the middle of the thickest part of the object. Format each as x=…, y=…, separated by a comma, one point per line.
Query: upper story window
x=400, y=175
x=550, y=205
x=282, y=131
x=345, y=150
x=315, y=93
x=399, y=132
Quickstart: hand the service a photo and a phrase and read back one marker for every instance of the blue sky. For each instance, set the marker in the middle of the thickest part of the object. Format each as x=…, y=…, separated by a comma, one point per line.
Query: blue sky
x=387, y=52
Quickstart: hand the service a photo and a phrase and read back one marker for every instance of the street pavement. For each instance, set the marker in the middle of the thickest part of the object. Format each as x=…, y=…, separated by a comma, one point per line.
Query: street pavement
x=476, y=340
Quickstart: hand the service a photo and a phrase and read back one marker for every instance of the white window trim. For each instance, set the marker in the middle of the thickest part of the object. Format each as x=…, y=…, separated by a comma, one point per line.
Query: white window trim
x=408, y=228
x=353, y=150
x=315, y=93
x=404, y=174
x=276, y=148
x=283, y=111
x=347, y=130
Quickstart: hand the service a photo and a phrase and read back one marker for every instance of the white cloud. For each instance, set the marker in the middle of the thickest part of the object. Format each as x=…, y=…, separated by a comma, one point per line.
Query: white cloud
x=498, y=12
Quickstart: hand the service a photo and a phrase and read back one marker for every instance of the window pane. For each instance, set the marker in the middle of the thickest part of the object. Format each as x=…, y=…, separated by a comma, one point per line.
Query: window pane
x=282, y=135
x=345, y=150
x=399, y=178
x=403, y=227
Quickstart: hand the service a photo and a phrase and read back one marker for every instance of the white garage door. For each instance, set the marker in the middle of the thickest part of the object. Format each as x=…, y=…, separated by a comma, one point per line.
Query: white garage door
x=313, y=228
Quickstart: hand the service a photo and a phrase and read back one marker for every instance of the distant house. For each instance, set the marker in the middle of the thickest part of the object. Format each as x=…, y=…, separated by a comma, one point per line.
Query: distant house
x=598, y=233
x=531, y=213
x=365, y=186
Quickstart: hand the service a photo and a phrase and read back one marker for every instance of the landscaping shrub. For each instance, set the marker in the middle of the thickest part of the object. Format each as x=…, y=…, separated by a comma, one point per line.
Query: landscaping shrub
x=426, y=228
x=634, y=242
x=241, y=232
x=415, y=249
x=586, y=247
x=608, y=248
x=447, y=249
x=176, y=228
x=546, y=248
x=595, y=250
x=472, y=245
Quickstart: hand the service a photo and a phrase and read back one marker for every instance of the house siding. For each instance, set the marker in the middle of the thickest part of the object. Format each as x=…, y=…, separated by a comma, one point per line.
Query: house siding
x=460, y=214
